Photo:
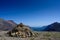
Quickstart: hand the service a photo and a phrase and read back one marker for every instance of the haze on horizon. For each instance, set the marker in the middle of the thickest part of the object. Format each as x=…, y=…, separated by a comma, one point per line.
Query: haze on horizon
x=31, y=12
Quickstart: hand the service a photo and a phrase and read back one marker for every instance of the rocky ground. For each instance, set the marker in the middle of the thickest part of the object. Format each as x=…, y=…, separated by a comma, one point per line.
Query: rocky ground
x=38, y=36
x=23, y=32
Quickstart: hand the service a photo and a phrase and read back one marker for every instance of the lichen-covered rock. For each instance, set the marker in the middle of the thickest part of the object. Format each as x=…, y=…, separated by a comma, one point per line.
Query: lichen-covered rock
x=21, y=30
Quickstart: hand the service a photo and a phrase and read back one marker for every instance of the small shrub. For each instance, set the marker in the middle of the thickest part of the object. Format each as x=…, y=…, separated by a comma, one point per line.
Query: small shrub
x=32, y=39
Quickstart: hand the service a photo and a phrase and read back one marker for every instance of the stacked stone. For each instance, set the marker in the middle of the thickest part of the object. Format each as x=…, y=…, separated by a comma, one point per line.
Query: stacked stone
x=21, y=30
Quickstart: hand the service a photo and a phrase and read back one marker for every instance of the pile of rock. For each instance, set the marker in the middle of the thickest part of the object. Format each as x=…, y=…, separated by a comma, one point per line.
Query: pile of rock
x=21, y=30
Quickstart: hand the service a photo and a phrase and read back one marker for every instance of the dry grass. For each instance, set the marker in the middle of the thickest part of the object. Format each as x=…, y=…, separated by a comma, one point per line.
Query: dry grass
x=38, y=36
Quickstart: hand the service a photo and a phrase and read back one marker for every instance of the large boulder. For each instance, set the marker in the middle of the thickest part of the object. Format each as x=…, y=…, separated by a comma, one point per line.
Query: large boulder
x=21, y=31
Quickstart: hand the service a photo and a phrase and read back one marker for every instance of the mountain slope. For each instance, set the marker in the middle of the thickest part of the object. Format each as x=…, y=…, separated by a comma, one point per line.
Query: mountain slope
x=53, y=27
x=6, y=25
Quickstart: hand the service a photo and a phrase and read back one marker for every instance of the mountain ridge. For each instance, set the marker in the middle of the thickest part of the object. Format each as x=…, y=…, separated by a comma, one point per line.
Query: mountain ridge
x=53, y=27
x=5, y=25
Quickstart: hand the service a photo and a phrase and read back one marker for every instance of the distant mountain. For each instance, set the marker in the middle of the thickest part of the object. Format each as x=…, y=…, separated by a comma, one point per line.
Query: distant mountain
x=38, y=28
x=11, y=22
x=53, y=27
x=7, y=25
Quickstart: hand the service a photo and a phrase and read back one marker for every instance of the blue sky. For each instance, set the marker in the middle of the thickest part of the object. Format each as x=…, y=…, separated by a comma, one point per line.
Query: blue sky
x=31, y=12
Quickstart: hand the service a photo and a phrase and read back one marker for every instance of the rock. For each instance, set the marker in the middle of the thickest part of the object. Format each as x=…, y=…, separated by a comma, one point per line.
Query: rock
x=21, y=30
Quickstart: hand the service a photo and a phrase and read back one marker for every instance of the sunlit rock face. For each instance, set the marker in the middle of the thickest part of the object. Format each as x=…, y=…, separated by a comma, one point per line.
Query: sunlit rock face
x=21, y=31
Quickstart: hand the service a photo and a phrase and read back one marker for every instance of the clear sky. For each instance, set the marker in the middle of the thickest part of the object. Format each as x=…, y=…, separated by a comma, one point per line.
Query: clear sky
x=31, y=12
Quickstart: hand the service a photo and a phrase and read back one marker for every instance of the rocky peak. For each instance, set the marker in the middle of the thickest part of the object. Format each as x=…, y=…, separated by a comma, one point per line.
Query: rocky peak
x=20, y=25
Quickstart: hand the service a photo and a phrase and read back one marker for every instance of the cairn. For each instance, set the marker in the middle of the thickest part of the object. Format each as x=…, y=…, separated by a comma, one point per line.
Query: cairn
x=20, y=30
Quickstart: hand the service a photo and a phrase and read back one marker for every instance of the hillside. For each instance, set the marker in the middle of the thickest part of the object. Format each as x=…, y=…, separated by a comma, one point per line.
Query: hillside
x=53, y=27
x=6, y=25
